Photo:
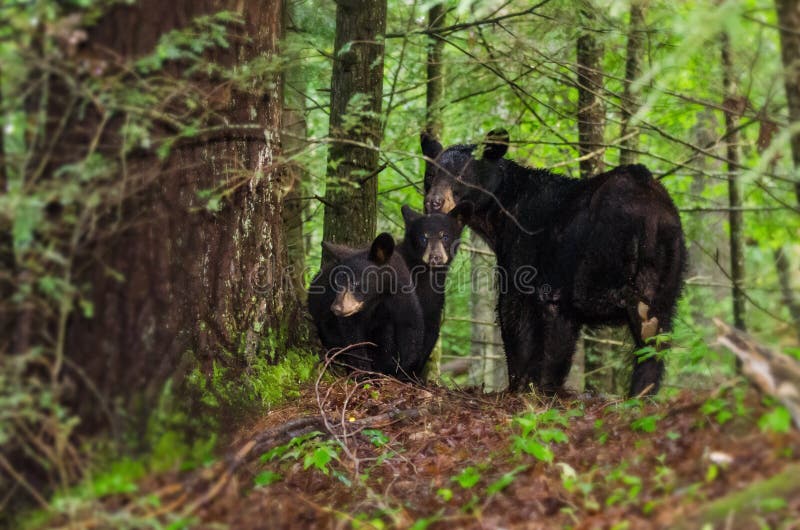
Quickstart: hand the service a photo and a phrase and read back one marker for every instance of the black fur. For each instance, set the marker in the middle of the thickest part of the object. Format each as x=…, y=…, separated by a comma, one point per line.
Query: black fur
x=390, y=317
x=599, y=247
x=429, y=278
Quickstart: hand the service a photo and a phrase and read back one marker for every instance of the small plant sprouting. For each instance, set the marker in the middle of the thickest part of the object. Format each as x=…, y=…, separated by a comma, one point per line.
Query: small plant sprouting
x=539, y=430
x=315, y=452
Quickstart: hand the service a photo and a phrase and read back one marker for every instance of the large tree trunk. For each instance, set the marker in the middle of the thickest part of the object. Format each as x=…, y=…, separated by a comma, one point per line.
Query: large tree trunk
x=355, y=129
x=633, y=61
x=181, y=282
x=789, y=24
x=732, y=105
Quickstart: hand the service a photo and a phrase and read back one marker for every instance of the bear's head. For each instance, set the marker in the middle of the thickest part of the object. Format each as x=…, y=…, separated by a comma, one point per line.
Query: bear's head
x=462, y=172
x=361, y=278
x=434, y=238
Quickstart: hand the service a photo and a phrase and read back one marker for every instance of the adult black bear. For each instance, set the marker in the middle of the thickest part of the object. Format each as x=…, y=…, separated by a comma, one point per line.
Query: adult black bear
x=605, y=250
x=366, y=295
x=429, y=245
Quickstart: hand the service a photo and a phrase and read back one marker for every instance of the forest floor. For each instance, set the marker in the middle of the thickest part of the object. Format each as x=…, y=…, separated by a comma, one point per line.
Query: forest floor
x=383, y=454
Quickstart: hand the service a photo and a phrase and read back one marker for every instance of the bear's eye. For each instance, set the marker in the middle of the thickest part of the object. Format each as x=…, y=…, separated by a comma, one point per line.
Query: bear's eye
x=423, y=240
x=445, y=238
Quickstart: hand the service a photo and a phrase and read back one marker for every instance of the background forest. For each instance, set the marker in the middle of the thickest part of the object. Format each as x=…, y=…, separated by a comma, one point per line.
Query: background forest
x=169, y=170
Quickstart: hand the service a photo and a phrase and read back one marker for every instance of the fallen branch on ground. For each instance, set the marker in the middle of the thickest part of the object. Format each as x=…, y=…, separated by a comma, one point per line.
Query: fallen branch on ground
x=772, y=372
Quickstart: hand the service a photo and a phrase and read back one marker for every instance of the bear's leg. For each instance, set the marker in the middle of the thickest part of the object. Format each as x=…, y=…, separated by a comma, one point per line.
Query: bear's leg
x=645, y=323
x=518, y=326
x=559, y=337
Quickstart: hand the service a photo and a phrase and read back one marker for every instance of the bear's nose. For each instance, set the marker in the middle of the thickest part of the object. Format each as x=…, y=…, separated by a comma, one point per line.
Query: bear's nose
x=434, y=204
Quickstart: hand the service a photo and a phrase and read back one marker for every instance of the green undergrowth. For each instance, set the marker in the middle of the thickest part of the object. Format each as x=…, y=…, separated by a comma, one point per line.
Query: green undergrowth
x=176, y=439
x=262, y=385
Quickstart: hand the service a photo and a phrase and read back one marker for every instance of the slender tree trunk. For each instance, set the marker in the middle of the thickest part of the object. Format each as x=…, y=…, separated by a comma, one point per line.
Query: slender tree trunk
x=435, y=78
x=434, y=96
x=591, y=132
x=6, y=256
x=6, y=242
x=294, y=131
x=355, y=130
x=183, y=284
x=789, y=24
x=784, y=269
x=591, y=111
x=630, y=104
x=735, y=217
x=486, y=342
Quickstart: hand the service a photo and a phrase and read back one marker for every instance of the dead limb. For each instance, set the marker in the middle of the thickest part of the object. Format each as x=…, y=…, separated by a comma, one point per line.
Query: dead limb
x=772, y=372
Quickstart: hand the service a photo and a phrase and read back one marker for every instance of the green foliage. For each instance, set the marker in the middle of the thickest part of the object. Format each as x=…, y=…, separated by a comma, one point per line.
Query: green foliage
x=538, y=432
x=189, y=44
x=777, y=420
x=377, y=437
x=314, y=451
x=646, y=424
x=468, y=477
x=505, y=480
x=264, y=385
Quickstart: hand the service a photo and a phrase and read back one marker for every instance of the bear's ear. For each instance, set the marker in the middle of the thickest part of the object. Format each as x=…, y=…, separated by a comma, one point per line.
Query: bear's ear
x=430, y=145
x=340, y=252
x=381, y=249
x=409, y=215
x=495, y=146
x=462, y=212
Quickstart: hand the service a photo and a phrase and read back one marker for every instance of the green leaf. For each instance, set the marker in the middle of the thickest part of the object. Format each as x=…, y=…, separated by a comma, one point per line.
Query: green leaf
x=445, y=493
x=777, y=420
x=534, y=448
x=265, y=478
x=552, y=435
x=468, y=477
x=503, y=482
x=320, y=458
x=646, y=423
x=377, y=437
x=772, y=504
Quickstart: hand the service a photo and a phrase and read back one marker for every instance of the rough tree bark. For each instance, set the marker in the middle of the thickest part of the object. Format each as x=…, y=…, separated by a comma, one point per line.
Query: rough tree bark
x=733, y=106
x=633, y=61
x=591, y=111
x=355, y=131
x=435, y=74
x=293, y=134
x=591, y=132
x=789, y=24
x=181, y=283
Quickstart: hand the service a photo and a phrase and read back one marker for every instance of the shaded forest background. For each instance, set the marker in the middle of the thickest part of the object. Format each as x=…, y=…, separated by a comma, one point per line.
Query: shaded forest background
x=167, y=173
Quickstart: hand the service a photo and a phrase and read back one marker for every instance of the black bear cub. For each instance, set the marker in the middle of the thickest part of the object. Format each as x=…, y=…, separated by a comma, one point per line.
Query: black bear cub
x=429, y=246
x=367, y=296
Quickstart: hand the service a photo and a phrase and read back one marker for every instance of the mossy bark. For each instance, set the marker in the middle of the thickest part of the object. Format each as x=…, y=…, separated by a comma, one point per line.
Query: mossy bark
x=175, y=282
